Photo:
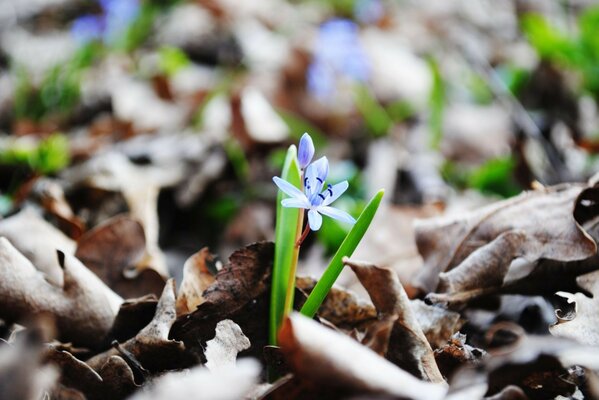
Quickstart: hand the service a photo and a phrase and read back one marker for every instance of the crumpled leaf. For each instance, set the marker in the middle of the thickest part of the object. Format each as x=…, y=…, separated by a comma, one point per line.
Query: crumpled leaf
x=197, y=277
x=341, y=308
x=37, y=240
x=227, y=383
x=112, y=250
x=84, y=308
x=132, y=317
x=151, y=347
x=456, y=354
x=438, y=324
x=51, y=196
x=474, y=254
x=240, y=293
x=223, y=349
x=582, y=322
x=333, y=360
x=407, y=345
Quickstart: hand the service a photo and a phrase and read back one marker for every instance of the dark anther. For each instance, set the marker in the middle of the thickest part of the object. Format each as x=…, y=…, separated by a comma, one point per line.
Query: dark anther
x=321, y=196
x=319, y=180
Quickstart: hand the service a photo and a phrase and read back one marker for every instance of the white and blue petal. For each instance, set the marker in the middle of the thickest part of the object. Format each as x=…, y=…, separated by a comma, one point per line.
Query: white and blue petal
x=296, y=203
x=314, y=220
x=316, y=174
x=336, y=213
x=334, y=192
x=288, y=188
x=305, y=151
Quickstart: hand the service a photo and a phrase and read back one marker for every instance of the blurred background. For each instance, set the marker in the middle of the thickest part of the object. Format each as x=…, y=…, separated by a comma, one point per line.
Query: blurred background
x=180, y=112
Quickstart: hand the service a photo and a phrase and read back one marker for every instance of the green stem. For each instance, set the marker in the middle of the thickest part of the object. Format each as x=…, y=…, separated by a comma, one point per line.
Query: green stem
x=293, y=268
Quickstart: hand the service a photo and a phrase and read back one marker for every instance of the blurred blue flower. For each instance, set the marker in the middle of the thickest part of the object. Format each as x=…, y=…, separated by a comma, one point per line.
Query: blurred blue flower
x=337, y=54
x=108, y=26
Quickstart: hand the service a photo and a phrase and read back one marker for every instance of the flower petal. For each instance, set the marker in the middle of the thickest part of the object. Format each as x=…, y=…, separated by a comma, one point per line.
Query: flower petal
x=288, y=188
x=334, y=192
x=336, y=213
x=305, y=151
x=316, y=174
x=314, y=220
x=296, y=203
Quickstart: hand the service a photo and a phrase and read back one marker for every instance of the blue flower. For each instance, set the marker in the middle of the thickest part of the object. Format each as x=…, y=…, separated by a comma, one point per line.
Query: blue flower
x=337, y=54
x=306, y=151
x=314, y=199
x=110, y=25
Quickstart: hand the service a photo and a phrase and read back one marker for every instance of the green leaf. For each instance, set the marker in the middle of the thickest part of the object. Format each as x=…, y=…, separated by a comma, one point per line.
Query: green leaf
x=346, y=249
x=172, y=59
x=285, y=250
x=375, y=116
x=437, y=105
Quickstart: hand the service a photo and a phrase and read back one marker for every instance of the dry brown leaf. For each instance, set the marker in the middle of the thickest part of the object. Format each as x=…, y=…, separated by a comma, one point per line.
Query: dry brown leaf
x=37, y=240
x=240, y=293
x=330, y=359
x=51, y=196
x=196, y=278
x=84, y=308
x=151, y=347
x=340, y=307
x=223, y=349
x=437, y=323
x=408, y=346
x=473, y=254
x=112, y=250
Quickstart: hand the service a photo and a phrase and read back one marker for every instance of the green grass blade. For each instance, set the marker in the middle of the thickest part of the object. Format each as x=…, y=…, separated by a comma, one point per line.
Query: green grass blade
x=348, y=246
x=285, y=235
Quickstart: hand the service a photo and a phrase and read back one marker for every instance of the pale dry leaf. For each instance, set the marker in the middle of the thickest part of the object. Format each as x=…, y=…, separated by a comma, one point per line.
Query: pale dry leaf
x=227, y=383
x=583, y=324
x=408, y=346
x=472, y=254
x=84, y=307
x=223, y=349
x=196, y=278
x=331, y=359
x=37, y=240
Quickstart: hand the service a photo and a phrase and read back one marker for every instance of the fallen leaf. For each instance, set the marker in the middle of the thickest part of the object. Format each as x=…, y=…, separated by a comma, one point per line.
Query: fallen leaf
x=474, y=254
x=151, y=347
x=333, y=360
x=84, y=308
x=581, y=323
x=223, y=349
x=239, y=293
x=437, y=323
x=227, y=383
x=456, y=354
x=37, y=240
x=408, y=346
x=112, y=250
x=197, y=277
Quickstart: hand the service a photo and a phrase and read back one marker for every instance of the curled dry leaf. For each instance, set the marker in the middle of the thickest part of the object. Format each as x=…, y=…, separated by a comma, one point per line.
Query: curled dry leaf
x=474, y=254
x=456, y=354
x=232, y=382
x=196, y=278
x=582, y=322
x=407, y=344
x=37, y=240
x=437, y=323
x=132, y=317
x=112, y=250
x=333, y=360
x=223, y=349
x=84, y=308
x=151, y=347
x=239, y=293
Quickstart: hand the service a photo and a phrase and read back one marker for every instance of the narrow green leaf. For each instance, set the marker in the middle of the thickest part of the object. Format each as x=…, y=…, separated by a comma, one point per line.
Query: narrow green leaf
x=285, y=235
x=346, y=249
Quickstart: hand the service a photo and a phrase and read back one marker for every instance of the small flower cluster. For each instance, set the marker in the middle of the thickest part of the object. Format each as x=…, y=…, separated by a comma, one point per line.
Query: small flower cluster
x=316, y=197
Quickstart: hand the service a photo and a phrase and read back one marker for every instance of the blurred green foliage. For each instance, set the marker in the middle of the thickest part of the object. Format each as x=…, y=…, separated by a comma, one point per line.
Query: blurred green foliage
x=48, y=156
x=495, y=176
x=578, y=51
x=172, y=60
x=436, y=103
